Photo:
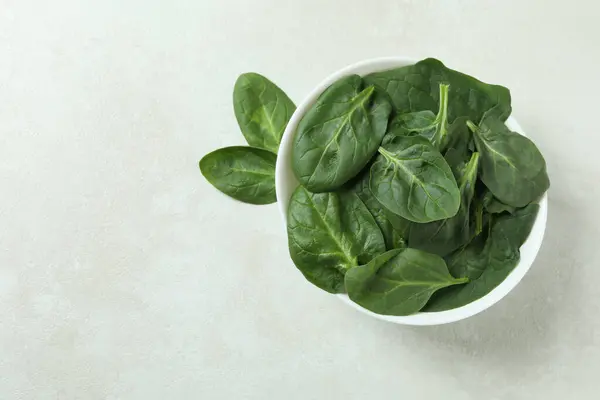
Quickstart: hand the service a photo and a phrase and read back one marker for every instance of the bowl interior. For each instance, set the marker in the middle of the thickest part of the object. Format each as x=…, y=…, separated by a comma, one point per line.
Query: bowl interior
x=286, y=183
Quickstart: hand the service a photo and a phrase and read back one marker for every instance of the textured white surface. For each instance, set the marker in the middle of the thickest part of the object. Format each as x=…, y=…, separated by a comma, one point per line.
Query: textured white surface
x=125, y=275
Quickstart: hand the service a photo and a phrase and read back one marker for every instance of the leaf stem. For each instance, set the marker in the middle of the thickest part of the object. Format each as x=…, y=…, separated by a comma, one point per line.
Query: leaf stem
x=441, y=119
x=471, y=168
x=478, y=218
x=442, y=114
x=385, y=153
x=459, y=281
x=474, y=128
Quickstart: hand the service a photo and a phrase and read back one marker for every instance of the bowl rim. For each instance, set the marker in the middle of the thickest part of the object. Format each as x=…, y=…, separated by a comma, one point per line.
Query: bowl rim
x=284, y=178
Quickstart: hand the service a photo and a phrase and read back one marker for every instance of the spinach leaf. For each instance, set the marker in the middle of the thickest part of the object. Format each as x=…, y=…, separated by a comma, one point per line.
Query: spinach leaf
x=398, y=282
x=477, y=217
x=486, y=265
x=393, y=227
x=468, y=260
x=262, y=110
x=415, y=88
x=328, y=233
x=433, y=127
x=512, y=167
x=457, y=135
x=338, y=136
x=445, y=236
x=244, y=173
x=495, y=206
x=459, y=140
x=412, y=179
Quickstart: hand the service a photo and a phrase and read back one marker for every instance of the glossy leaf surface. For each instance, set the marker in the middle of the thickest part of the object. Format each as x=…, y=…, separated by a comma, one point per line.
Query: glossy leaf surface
x=433, y=127
x=486, y=265
x=495, y=206
x=412, y=179
x=445, y=236
x=244, y=173
x=398, y=282
x=329, y=233
x=262, y=110
x=338, y=136
x=393, y=227
x=512, y=167
x=415, y=88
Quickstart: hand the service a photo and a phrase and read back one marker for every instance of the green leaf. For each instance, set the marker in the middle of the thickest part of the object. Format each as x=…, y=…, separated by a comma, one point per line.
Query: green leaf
x=262, y=110
x=512, y=167
x=412, y=179
x=495, y=206
x=398, y=282
x=486, y=265
x=457, y=162
x=393, y=227
x=244, y=173
x=415, y=88
x=433, y=127
x=338, y=136
x=468, y=260
x=459, y=140
x=478, y=219
x=445, y=236
x=329, y=233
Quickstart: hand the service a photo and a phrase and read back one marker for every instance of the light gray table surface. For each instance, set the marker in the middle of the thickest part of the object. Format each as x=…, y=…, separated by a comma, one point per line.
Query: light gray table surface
x=125, y=275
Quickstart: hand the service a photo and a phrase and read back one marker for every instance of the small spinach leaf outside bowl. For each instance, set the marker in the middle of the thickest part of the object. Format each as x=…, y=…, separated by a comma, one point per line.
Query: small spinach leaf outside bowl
x=286, y=183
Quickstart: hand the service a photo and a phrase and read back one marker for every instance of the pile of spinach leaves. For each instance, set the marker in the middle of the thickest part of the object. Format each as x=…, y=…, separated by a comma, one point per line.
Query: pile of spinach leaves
x=414, y=195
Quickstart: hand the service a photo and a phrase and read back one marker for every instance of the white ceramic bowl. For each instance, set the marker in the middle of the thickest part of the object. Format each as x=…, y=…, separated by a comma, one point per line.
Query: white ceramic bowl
x=286, y=183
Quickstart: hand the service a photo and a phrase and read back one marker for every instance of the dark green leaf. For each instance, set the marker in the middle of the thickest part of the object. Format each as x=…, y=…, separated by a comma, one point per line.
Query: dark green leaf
x=478, y=219
x=338, y=136
x=433, y=127
x=393, y=227
x=468, y=260
x=398, y=282
x=459, y=139
x=329, y=233
x=457, y=162
x=495, y=206
x=417, y=123
x=412, y=179
x=415, y=88
x=486, y=265
x=262, y=110
x=512, y=167
x=444, y=236
x=244, y=173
